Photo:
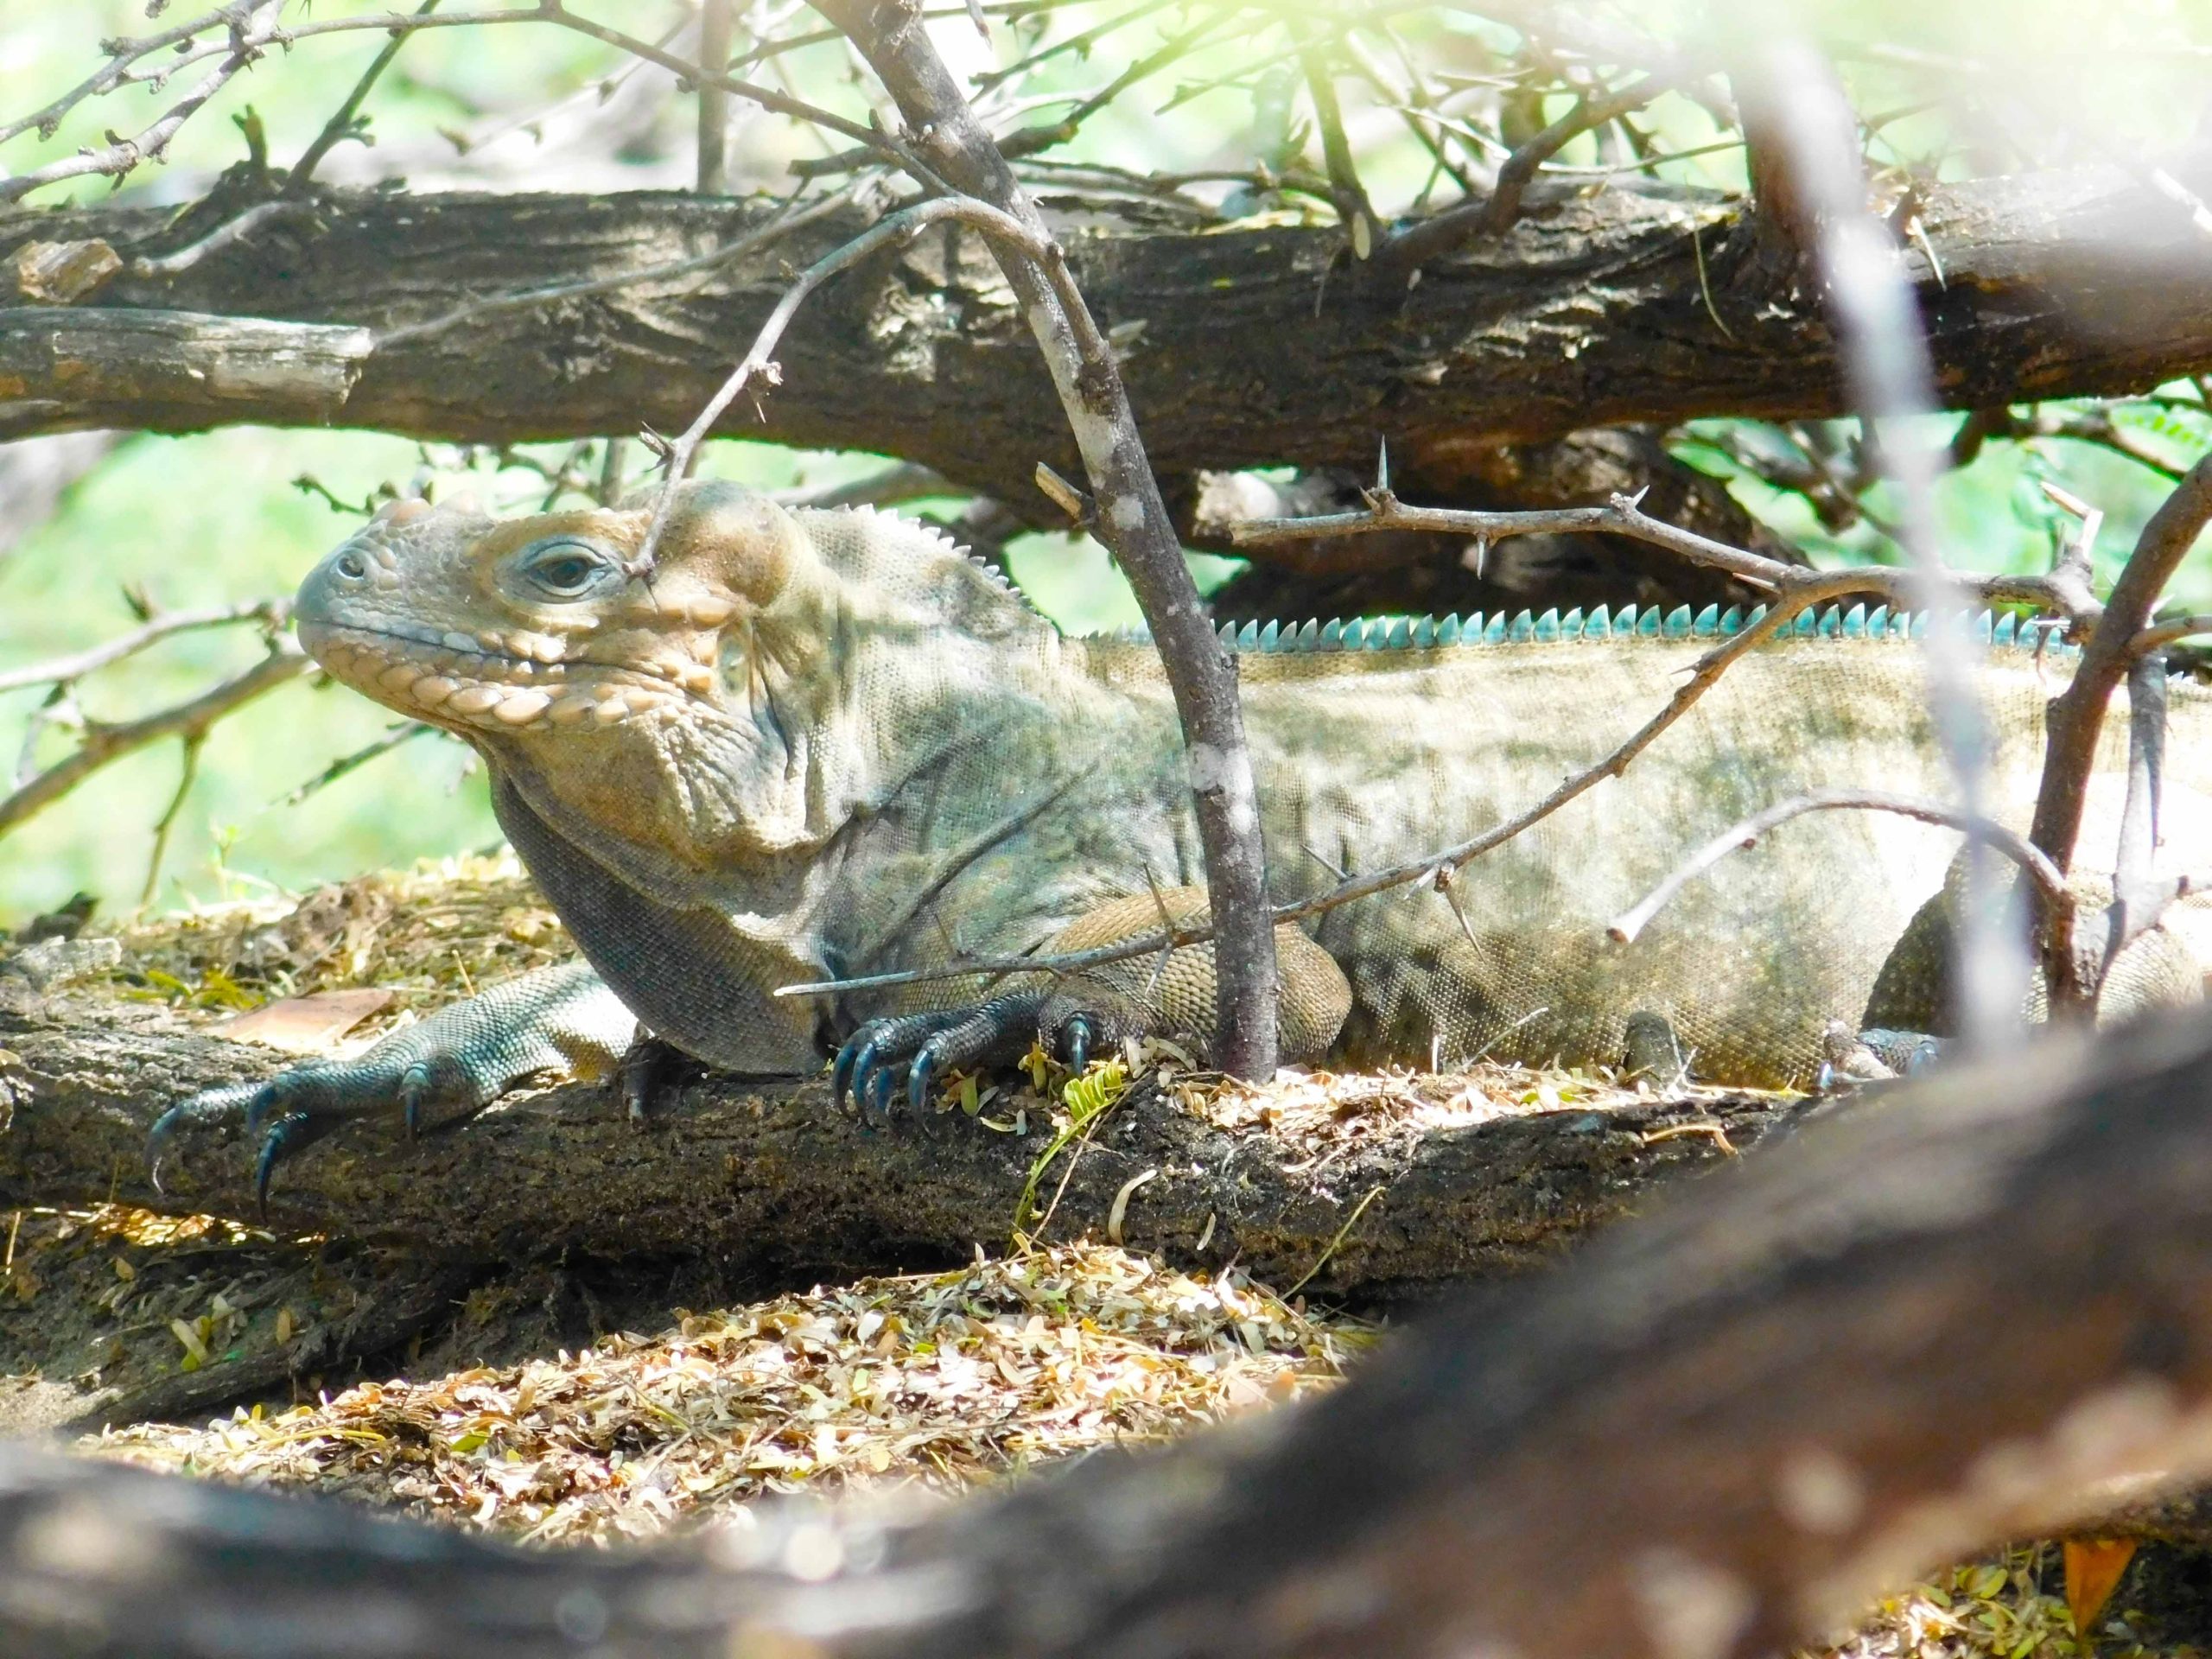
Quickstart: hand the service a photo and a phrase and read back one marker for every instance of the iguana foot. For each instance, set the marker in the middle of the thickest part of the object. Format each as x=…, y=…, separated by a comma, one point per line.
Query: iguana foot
x=1874, y=1054
x=925, y=1046
x=646, y=1070
x=459, y=1059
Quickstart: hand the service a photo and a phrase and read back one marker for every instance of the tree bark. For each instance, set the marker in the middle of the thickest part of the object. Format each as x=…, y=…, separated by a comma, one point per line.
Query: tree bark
x=770, y=1177
x=1921, y=1328
x=1243, y=348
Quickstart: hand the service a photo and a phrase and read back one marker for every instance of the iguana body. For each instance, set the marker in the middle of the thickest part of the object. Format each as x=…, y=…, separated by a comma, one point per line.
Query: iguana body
x=816, y=746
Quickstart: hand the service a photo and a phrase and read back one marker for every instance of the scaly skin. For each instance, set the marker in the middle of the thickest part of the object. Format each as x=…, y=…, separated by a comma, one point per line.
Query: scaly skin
x=819, y=745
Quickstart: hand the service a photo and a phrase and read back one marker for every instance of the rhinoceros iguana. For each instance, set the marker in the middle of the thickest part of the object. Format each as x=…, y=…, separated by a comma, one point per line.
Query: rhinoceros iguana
x=817, y=745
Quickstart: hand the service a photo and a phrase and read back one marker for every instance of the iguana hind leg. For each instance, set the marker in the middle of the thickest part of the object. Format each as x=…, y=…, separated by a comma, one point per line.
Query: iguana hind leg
x=1911, y=1008
x=458, y=1059
x=1095, y=1010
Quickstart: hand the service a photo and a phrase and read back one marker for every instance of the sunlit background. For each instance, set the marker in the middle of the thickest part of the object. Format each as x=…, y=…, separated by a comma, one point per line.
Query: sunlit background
x=1947, y=91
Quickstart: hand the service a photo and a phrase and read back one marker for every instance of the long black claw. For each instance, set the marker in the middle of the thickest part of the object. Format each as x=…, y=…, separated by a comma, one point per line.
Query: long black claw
x=880, y=1082
x=414, y=1085
x=1075, y=1039
x=841, y=1072
x=863, y=1062
x=923, y=1073
x=272, y=1149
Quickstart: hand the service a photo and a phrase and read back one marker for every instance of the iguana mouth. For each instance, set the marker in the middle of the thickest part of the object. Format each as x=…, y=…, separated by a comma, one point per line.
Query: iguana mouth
x=510, y=682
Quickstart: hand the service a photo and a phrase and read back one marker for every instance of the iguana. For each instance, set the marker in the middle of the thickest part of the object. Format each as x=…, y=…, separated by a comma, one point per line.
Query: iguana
x=817, y=745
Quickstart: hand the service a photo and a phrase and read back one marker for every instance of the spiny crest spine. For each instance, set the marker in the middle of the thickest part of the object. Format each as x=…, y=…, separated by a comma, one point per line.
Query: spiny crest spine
x=2008, y=632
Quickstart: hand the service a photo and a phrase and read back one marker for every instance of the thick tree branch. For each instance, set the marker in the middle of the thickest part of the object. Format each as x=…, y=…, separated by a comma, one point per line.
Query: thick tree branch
x=772, y=1178
x=1587, y=314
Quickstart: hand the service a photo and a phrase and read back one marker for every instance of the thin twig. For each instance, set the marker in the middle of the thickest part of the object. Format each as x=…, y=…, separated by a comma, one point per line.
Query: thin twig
x=2049, y=879
x=340, y=125
x=360, y=758
x=1353, y=208
x=119, y=155
x=714, y=99
x=61, y=671
x=901, y=226
x=102, y=744
x=248, y=41
x=176, y=265
x=188, y=773
x=1493, y=216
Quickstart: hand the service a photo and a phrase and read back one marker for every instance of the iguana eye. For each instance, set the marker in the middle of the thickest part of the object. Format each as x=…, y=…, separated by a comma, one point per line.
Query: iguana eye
x=565, y=569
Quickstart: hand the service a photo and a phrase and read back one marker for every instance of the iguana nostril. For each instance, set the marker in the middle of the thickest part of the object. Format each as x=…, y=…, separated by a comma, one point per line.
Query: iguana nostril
x=352, y=567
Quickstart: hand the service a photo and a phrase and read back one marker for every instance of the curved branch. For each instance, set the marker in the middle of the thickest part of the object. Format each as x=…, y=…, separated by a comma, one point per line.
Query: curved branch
x=2049, y=879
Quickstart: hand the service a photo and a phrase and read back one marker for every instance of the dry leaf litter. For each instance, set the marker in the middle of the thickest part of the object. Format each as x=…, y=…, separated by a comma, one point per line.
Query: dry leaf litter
x=947, y=1378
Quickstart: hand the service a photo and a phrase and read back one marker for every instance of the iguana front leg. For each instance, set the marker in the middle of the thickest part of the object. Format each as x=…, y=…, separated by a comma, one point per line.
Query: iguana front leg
x=1095, y=1010
x=561, y=1019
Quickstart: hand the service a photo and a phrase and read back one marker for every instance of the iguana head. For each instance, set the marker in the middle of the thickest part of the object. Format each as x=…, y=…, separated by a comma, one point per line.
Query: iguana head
x=742, y=700
x=507, y=628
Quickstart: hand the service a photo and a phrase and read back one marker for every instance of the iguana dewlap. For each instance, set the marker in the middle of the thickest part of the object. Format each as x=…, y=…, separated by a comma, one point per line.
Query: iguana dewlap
x=819, y=745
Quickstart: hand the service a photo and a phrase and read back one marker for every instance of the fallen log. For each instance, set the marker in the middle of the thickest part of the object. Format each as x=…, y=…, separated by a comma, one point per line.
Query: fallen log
x=1385, y=1189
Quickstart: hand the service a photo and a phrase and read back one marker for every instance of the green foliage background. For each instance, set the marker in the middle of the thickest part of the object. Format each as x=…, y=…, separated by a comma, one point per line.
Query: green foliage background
x=213, y=518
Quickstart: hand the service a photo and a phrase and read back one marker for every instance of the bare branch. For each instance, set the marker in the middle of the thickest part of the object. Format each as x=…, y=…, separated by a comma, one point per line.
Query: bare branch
x=340, y=125
x=895, y=228
x=102, y=745
x=714, y=99
x=2160, y=635
x=2076, y=715
x=2047, y=876
x=60, y=670
x=250, y=35
x=1493, y=216
x=119, y=156
x=1134, y=520
x=1622, y=517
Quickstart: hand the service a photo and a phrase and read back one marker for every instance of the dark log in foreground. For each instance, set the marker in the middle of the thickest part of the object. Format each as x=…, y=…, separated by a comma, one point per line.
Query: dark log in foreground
x=770, y=1177
x=1919, y=1327
x=1245, y=348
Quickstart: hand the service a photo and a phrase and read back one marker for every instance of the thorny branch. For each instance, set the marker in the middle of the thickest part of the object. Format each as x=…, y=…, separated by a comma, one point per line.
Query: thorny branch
x=249, y=33
x=1135, y=523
